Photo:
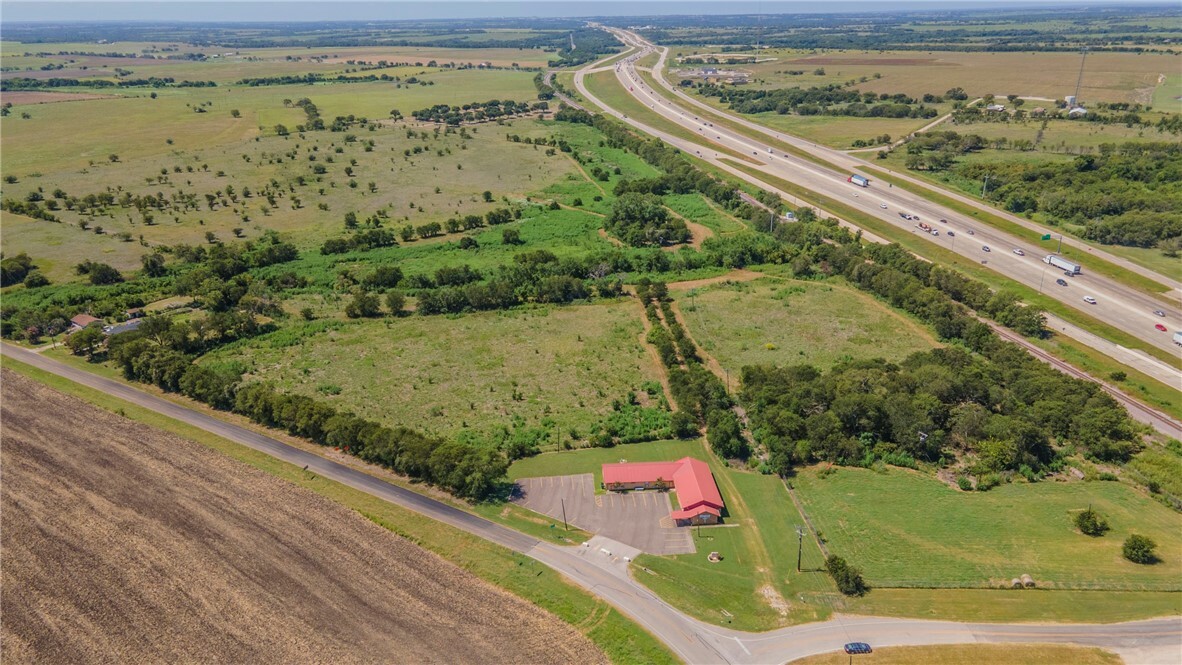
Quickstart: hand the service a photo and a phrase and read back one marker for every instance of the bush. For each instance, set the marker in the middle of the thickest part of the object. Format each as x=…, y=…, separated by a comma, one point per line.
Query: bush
x=1139, y=549
x=848, y=579
x=1091, y=523
x=964, y=483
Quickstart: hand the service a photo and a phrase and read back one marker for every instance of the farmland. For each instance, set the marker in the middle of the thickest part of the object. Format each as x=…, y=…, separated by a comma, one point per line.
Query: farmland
x=782, y=322
x=186, y=548
x=906, y=529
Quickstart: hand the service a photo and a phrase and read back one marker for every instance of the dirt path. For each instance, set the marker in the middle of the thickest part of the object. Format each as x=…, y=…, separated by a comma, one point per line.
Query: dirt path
x=658, y=366
x=122, y=542
x=615, y=241
x=708, y=360
x=739, y=275
x=585, y=174
x=698, y=232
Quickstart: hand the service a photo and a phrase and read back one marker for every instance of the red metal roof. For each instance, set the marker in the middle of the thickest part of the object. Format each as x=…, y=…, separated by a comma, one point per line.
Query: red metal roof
x=639, y=472
x=691, y=479
x=690, y=514
x=83, y=320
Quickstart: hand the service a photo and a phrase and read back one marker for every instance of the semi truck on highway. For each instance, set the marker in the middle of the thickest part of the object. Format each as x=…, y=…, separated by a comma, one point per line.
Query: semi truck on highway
x=1062, y=264
x=858, y=180
x=1178, y=338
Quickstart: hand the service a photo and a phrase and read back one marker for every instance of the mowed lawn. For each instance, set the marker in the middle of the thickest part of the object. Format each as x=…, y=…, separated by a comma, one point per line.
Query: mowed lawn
x=789, y=322
x=557, y=368
x=903, y=528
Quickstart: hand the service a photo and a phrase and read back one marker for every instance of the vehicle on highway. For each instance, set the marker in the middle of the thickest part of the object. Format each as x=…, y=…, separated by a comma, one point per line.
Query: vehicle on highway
x=943, y=221
x=1089, y=300
x=1159, y=327
x=882, y=205
x=951, y=234
x=1062, y=264
x=985, y=248
x=970, y=232
x=1159, y=312
x=1019, y=252
x=859, y=180
x=1061, y=282
x=858, y=648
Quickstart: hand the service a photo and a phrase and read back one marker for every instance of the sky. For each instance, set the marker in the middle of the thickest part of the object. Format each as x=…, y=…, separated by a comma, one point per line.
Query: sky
x=325, y=10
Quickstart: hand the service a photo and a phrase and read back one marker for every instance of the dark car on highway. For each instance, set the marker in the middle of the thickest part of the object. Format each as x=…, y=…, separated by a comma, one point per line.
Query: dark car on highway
x=1061, y=282
x=857, y=648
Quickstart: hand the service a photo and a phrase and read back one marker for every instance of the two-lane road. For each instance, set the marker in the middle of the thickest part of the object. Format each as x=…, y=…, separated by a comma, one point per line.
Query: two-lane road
x=608, y=577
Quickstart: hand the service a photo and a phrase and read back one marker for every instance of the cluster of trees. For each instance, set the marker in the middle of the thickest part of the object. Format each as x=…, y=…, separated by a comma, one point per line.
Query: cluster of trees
x=24, y=83
x=702, y=400
x=1004, y=412
x=641, y=220
x=935, y=151
x=545, y=90
x=1126, y=194
x=17, y=269
x=310, y=78
x=475, y=111
x=360, y=241
x=823, y=100
x=847, y=578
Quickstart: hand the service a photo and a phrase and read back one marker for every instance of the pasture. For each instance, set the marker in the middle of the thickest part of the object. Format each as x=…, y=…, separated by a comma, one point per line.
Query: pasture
x=1108, y=76
x=554, y=369
x=907, y=529
x=788, y=322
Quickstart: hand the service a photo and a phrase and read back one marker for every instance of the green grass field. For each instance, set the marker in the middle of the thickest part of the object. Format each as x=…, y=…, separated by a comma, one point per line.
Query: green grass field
x=787, y=322
x=906, y=529
x=556, y=368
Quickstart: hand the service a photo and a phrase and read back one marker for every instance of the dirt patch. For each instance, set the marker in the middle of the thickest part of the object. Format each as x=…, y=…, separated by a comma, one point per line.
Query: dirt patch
x=24, y=97
x=613, y=240
x=122, y=543
x=698, y=232
x=740, y=275
x=774, y=599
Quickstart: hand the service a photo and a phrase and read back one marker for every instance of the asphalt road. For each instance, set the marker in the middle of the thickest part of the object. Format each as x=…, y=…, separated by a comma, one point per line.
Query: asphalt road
x=1121, y=306
x=608, y=576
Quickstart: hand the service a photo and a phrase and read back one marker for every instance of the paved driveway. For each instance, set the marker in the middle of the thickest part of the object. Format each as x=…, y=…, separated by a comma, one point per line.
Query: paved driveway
x=639, y=519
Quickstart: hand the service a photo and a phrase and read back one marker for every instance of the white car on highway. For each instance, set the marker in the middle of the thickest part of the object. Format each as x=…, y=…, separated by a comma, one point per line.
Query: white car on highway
x=1089, y=300
x=1019, y=252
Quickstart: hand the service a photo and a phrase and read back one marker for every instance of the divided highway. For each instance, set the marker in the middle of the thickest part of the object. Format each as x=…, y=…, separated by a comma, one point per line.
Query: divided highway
x=1121, y=306
x=608, y=576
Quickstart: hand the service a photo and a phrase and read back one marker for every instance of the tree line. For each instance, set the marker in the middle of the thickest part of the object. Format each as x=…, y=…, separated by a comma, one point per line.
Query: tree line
x=823, y=100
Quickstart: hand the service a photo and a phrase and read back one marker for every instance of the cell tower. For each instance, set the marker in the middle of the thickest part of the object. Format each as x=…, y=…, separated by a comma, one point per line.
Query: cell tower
x=1079, y=81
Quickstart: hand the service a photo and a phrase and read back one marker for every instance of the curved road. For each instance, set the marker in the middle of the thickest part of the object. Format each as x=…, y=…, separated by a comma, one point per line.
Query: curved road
x=607, y=576
x=1117, y=304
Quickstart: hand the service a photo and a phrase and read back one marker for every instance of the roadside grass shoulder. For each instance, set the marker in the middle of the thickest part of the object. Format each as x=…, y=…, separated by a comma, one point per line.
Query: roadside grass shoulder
x=622, y=640
x=907, y=529
x=1012, y=605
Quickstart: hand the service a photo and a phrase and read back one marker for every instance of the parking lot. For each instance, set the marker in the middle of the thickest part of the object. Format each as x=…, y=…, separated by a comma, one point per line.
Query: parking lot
x=639, y=519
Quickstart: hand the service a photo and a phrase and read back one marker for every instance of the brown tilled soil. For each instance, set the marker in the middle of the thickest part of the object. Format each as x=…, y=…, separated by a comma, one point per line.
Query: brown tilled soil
x=122, y=543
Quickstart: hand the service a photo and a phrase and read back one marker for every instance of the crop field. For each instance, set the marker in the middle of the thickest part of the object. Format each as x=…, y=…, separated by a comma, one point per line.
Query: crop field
x=558, y=369
x=1108, y=76
x=788, y=322
x=203, y=567
x=905, y=529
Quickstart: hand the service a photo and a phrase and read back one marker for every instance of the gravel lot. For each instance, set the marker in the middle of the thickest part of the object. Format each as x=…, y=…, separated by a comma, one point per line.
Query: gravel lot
x=122, y=543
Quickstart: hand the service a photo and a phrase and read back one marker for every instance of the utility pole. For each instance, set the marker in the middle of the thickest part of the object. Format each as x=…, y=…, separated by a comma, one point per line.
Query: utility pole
x=564, y=524
x=1060, y=250
x=985, y=186
x=799, y=545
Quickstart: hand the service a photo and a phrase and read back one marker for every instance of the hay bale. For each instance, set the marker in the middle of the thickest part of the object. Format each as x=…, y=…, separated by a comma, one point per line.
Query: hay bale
x=1028, y=581
x=1015, y=583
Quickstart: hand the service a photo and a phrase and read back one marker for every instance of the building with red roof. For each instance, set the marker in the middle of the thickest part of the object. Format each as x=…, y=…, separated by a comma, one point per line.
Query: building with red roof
x=701, y=502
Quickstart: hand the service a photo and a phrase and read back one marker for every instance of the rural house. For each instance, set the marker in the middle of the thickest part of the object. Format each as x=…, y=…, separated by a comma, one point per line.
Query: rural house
x=82, y=321
x=701, y=503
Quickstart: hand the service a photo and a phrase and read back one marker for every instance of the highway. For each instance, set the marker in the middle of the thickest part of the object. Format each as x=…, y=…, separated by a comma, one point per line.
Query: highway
x=608, y=575
x=1121, y=306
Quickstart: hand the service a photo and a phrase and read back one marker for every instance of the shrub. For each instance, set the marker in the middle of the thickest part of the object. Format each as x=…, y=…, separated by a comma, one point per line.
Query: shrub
x=848, y=579
x=1139, y=549
x=1091, y=523
x=964, y=483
